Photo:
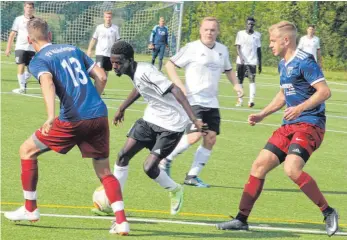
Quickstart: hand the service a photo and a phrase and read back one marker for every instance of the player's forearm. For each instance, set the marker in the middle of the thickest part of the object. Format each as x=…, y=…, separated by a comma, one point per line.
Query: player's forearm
x=316, y=99
x=100, y=77
x=232, y=77
x=181, y=98
x=91, y=45
x=10, y=40
x=132, y=97
x=259, y=55
x=319, y=57
x=276, y=104
x=172, y=73
x=238, y=49
x=48, y=92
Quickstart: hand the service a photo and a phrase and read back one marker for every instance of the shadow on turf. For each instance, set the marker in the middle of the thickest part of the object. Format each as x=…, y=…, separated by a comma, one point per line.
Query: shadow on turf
x=282, y=190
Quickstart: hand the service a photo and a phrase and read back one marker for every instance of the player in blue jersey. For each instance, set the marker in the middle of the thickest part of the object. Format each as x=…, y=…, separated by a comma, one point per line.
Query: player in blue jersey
x=64, y=70
x=159, y=41
x=303, y=91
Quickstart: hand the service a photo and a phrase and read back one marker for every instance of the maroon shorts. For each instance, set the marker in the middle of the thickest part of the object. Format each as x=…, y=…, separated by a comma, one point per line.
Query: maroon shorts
x=301, y=139
x=92, y=136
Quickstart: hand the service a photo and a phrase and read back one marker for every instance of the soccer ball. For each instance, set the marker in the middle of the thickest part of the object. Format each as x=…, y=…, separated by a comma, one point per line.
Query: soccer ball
x=100, y=200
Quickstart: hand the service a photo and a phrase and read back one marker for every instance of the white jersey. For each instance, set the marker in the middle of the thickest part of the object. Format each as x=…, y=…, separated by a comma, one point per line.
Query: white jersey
x=203, y=69
x=310, y=45
x=249, y=44
x=20, y=26
x=163, y=109
x=106, y=37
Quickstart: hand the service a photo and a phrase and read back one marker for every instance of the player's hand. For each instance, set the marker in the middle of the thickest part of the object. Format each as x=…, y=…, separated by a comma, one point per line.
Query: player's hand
x=46, y=127
x=150, y=46
x=201, y=126
x=8, y=52
x=118, y=117
x=255, y=118
x=260, y=69
x=292, y=113
x=239, y=90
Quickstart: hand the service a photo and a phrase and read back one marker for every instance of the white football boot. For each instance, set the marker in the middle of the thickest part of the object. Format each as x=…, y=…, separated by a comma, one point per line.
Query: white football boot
x=122, y=229
x=21, y=214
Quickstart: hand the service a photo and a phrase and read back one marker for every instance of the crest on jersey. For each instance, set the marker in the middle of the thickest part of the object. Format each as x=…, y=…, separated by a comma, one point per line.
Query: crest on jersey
x=289, y=71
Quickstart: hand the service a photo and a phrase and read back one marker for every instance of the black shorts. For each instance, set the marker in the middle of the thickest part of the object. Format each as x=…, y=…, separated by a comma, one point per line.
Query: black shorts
x=104, y=62
x=23, y=56
x=244, y=70
x=160, y=141
x=211, y=116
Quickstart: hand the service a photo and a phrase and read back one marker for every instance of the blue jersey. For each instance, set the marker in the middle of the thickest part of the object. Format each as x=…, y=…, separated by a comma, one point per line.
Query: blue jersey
x=70, y=67
x=297, y=78
x=159, y=35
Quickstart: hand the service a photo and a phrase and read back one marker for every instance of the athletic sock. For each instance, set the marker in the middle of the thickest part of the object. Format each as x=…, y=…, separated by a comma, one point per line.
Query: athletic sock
x=250, y=194
x=121, y=173
x=182, y=146
x=165, y=181
x=29, y=177
x=200, y=159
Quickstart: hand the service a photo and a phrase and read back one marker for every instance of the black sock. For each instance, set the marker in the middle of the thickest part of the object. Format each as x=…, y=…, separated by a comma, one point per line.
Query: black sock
x=241, y=217
x=160, y=63
x=327, y=211
x=153, y=61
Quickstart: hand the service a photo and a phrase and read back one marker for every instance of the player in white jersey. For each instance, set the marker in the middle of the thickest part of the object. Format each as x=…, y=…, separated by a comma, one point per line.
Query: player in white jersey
x=248, y=43
x=204, y=61
x=311, y=44
x=104, y=36
x=24, y=52
x=162, y=126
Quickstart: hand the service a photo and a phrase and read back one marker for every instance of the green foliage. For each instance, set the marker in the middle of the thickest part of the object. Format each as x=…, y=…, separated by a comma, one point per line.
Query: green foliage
x=330, y=18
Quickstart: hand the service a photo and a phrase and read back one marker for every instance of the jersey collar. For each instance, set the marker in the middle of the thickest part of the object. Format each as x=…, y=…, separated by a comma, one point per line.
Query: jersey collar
x=208, y=46
x=47, y=44
x=291, y=59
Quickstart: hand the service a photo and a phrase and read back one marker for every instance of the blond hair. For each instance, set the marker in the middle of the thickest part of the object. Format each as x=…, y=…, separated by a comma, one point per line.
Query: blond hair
x=38, y=29
x=211, y=19
x=285, y=28
x=108, y=12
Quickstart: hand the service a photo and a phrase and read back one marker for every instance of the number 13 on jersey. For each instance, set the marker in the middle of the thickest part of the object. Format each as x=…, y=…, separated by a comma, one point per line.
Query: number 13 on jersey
x=77, y=74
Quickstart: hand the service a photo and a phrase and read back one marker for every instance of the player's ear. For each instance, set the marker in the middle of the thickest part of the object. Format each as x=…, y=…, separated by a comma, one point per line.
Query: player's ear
x=50, y=36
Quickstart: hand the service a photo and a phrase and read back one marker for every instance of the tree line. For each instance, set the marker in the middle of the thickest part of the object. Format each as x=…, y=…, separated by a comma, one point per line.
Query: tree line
x=330, y=19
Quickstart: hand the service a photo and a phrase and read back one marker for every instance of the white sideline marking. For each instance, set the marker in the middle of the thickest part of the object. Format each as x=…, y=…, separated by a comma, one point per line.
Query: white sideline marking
x=149, y=220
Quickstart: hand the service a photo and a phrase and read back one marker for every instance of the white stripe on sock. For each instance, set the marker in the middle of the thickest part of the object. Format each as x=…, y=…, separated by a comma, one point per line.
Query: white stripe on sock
x=117, y=206
x=30, y=195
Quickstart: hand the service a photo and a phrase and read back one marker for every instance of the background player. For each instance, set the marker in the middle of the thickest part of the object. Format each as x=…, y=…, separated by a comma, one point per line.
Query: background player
x=303, y=91
x=23, y=50
x=159, y=41
x=104, y=36
x=162, y=125
x=311, y=44
x=248, y=45
x=204, y=61
x=64, y=70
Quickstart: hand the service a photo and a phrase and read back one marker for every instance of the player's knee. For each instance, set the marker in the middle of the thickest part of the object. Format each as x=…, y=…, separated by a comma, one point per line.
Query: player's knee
x=123, y=159
x=151, y=169
x=252, y=79
x=259, y=169
x=25, y=152
x=292, y=172
x=210, y=139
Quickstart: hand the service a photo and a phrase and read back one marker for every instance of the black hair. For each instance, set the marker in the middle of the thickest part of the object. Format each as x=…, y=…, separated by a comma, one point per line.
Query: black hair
x=122, y=47
x=312, y=26
x=250, y=19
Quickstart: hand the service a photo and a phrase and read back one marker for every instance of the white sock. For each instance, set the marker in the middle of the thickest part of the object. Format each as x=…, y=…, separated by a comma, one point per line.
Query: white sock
x=200, y=159
x=21, y=80
x=251, y=92
x=121, y=173
x=182, y=146
x=27, y=76
x=165, y=181
x=240, y=99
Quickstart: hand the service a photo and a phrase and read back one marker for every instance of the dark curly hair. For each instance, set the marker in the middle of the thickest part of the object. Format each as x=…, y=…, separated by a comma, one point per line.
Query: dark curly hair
x=251, y=19
x=122, y=47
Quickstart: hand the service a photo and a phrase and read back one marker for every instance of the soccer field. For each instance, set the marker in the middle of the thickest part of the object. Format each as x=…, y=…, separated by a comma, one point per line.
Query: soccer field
x=66, y=183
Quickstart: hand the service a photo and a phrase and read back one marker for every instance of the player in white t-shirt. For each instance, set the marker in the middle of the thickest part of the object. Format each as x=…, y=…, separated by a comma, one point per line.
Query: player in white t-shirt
x=104, y=36
x=204, y=62
x=248, y=43
x=162, y=126
x=311, y=44
x=24, y=52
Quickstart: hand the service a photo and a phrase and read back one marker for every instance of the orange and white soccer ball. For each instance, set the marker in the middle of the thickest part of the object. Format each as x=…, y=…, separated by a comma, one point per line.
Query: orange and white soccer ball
x=100, y=200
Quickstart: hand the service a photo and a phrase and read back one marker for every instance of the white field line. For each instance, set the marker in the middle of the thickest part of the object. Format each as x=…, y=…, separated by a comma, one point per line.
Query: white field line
x=223, y=120
x=149, y=220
